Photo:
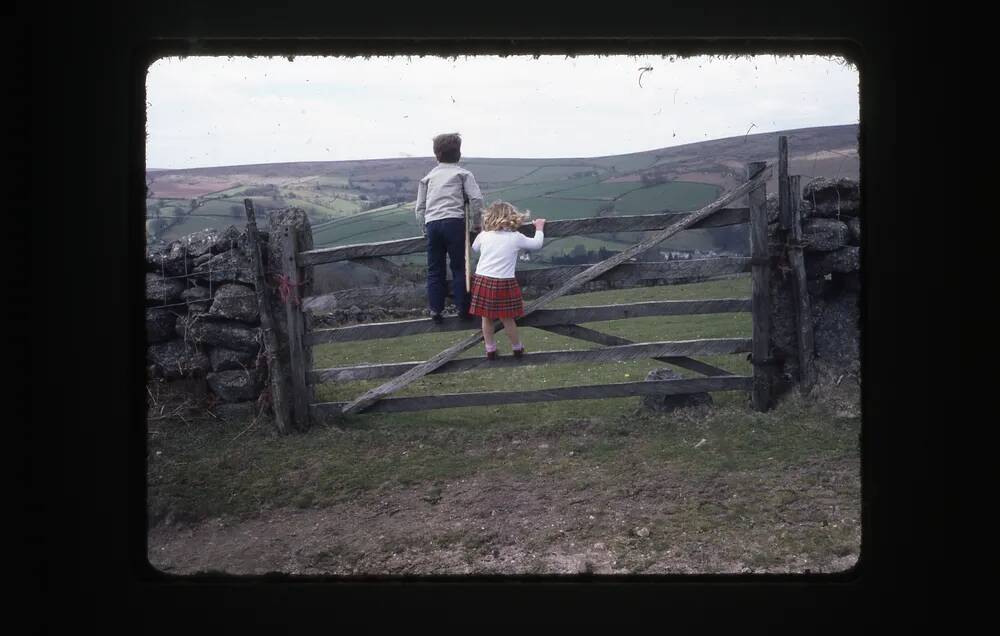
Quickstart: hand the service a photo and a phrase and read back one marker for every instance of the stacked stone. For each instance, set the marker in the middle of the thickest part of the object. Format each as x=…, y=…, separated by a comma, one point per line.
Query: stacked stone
x=202, y=319
x=831, y=236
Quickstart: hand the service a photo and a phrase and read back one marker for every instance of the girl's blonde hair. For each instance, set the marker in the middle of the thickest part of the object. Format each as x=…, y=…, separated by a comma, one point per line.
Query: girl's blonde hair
x=501, y=215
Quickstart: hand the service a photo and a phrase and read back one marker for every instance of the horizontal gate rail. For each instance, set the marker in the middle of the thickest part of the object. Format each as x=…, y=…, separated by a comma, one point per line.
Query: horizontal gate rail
x=716, y=346
x=553, y=229
x=540, y=318
x=589, y=392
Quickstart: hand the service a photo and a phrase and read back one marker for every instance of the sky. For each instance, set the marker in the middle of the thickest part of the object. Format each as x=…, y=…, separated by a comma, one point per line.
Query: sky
x=223, y=111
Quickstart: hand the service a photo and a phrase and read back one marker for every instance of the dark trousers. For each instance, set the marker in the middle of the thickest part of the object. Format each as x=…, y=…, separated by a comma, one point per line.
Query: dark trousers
x=446, y=237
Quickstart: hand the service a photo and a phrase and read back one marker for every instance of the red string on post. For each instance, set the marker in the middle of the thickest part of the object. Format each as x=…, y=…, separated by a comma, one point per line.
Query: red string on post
x=287, y=289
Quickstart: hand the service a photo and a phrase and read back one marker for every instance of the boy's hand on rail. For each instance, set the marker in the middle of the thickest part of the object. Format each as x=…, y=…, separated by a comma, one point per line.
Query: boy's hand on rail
x=539, y=223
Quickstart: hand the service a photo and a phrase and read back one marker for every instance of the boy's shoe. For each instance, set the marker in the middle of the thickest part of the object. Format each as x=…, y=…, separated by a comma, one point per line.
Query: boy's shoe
x=518, y=352
x=437, y=318
x=491, y=355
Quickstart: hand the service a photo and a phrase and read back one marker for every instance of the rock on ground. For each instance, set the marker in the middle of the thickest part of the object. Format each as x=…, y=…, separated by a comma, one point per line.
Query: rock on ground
x=236, y=386
x=160, y=325
x=667, y=403
x=178, y=359
x=230, y=335
x=163, y=291
x=223, y=359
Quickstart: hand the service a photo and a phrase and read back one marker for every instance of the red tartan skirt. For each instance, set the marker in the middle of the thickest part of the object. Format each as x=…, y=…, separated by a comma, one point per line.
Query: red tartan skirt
x=496, y=297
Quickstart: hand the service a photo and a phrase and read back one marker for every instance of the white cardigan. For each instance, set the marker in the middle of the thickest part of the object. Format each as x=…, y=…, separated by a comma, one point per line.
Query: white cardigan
x=498, y=249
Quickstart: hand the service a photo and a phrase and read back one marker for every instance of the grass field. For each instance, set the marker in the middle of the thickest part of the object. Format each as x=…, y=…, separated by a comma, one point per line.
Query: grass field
x=421, y=347
x=603, y=190
x=384, y=225
x=675, y=195
x=473, y=421
x=555, y=173
x=518, y=192
x=529, y=488
x=626, y=163
x=554, y=209
x=334, y=206
x=496, y=173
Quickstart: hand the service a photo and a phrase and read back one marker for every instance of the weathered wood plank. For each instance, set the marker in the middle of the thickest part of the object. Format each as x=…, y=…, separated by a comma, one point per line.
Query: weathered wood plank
x=553, y=229
x=625, y=276
x=760, y=294
x=372, y=396
x=301, y=394
x=277, y=371
x=626, y=273
x=591, y=335
x=715, y=346
x=541, y=317
x=784, y=201
x=800, y=292
x=591, y=392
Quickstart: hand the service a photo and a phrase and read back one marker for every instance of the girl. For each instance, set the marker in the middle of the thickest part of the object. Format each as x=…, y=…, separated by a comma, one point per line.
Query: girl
x=495, y=292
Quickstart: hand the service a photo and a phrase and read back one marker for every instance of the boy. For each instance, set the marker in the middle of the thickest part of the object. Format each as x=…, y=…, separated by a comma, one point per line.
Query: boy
x=440, y=211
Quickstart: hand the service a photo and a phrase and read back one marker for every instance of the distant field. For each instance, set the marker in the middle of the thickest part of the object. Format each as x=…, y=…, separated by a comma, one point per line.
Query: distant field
x=552, y=208
x=516, y=193
x=190, y=224
x=553, y=173
x=603, y=189
x=675, y=195
x=317, y=211
x=327, y=190
x=627, y=163
x=184, y=186
x=230, y=192
x=368, y=228
x=496, y=173
x=328, y=181
x=335, y=206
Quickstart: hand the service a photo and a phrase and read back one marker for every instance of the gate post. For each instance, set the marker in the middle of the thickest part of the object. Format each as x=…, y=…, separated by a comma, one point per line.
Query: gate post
x=276, y=369
x=760, y=276
x=298, y=360
x=803, y=313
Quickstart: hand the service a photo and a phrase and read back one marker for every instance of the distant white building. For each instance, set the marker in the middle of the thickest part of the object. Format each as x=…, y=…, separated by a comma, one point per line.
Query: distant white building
x=685, y=255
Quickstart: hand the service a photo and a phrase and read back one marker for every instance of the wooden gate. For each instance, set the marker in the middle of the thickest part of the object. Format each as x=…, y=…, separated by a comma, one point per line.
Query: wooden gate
x=621, y=270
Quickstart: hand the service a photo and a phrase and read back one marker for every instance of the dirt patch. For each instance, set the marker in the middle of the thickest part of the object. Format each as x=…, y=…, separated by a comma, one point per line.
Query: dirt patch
x=780, y=519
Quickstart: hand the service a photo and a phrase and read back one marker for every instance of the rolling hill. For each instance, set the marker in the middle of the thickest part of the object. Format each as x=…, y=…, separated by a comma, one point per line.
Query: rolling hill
x=371, y=200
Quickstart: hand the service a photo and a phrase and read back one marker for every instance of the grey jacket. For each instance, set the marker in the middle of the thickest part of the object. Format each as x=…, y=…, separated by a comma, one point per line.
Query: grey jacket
x=443, y=192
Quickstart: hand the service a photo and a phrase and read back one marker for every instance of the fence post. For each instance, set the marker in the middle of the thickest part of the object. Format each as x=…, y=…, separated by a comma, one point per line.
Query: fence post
x=784, y=198
x=760, y=301
x=283, y=416
x=803, y=312
x=296, y=325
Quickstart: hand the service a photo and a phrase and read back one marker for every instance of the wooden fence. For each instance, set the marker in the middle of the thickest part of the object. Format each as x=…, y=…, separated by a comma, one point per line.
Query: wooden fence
x=623, y=270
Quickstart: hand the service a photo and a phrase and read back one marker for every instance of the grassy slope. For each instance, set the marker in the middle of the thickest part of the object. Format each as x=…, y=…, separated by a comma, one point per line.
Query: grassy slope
x=217, y=468
x=257, y=468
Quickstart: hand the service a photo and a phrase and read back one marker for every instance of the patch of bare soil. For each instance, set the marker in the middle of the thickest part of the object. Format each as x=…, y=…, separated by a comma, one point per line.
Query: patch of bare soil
x=786, y=519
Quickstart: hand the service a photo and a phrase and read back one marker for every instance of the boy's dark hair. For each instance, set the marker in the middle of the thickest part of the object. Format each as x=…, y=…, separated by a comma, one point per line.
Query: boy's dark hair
x=448, y=148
